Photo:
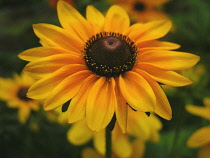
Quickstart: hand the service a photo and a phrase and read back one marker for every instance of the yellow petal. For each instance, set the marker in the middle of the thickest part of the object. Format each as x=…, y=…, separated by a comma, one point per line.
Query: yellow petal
x=76, y=110
x=42, y=88
x=168, y=60
x=121, y=145
x=137, y=92
x=99, y=142
x=73, y=21
x=79, y=133
x=23, y=114
x=204, y=151
x=166, y=77
x=116, y=20
x=206, y=102
x=44, y=66
x=138, y=147
x=155, y=45
x=121, y=111
x=40, y=52
x=149, y=31
x=199, y=138
x=199, y=111
x=58, y=37
x=95, y=17
x=90, y=153
x=138, y=124
x=65, y=90
x=162, y=107
x=100, y=104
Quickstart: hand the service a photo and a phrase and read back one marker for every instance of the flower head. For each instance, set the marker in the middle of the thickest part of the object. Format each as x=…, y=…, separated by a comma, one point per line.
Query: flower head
x=201, y=138
x=143, y=10
x=13, y=92
x=103, y=66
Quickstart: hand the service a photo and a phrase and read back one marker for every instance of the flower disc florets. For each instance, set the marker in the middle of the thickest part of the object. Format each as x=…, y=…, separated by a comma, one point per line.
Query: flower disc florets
x=110, y=54
x=21, y=94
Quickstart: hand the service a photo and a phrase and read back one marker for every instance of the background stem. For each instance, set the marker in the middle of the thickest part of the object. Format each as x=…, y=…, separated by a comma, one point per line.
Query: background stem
x=108, y=143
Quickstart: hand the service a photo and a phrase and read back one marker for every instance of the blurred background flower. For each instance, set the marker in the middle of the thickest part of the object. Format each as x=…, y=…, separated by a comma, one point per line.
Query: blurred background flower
x=201, y=138
x=13, y=92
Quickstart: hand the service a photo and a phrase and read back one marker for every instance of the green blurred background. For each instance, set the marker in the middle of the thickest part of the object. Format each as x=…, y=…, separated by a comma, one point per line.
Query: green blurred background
x=192, y=31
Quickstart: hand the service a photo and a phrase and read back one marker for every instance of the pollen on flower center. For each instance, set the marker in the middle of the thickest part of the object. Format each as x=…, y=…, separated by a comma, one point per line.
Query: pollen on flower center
x=21, y=94
x=110, y=54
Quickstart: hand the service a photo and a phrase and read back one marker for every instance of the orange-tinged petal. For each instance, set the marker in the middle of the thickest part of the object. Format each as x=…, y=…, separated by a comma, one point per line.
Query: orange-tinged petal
x=199, y=138
x=155, y=45
x=168, y=60
x=65, y=90
x=44, y=66
x=204, y=151
x=95, y=17
x=40, y=52
x=42, y=88
x=121, y=111
x=73, y=21
x=116, y=20
x=76, y=110
x=100, y=104
x=162, y=107
x=166, y=77
x=137, y=92
x=58, y=37
x=149, y=31
x=79, y=133
x=199, y=111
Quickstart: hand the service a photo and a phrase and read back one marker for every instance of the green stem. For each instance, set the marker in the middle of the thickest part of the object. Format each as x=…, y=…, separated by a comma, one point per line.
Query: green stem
x=108, y=143
x=173, y=153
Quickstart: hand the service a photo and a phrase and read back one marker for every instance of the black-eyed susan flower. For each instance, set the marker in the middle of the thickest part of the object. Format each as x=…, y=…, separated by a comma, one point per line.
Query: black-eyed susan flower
x=143, y=10
x=141, y=128
x=13, y=92
x=137, y=147
x=103, y=66
x=201, y=138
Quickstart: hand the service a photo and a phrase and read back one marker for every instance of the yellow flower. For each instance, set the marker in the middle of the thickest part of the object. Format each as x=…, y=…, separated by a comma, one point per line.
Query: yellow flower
x=140, y=127
x=201, y=138
x=143, y=10
x=137, y=146
x=102, y=65
x=13, y=91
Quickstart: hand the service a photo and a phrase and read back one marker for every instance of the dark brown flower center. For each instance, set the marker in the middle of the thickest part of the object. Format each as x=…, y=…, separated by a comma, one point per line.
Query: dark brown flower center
x=139, y=6
x=110, y=54
x=22, y=94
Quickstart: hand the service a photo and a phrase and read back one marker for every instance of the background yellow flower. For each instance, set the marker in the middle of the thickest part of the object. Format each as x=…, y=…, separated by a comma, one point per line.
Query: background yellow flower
x=141, y=128
x=201, y=138
x=13, y=92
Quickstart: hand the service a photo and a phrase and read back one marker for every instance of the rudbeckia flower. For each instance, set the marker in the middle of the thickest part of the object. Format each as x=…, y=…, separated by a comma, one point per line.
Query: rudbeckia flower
x=137, y=146
x=102, y=66
x=141, y=128
x=201, y=138
x=143, y=10
x=13, y=92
